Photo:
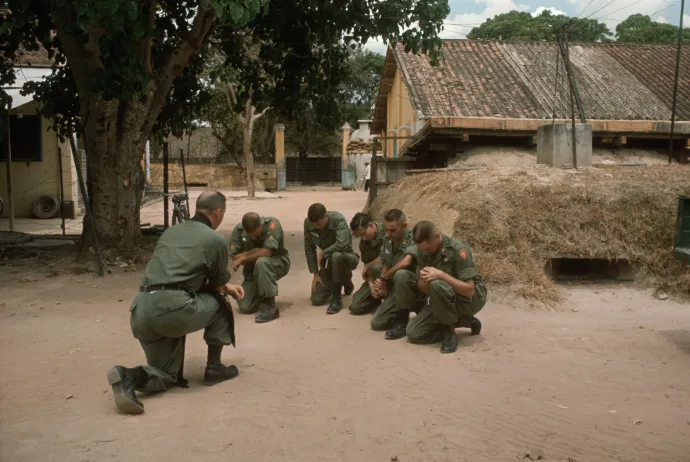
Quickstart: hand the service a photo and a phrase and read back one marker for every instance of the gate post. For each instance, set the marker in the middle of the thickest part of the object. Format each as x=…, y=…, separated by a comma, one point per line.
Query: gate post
x=281, y=174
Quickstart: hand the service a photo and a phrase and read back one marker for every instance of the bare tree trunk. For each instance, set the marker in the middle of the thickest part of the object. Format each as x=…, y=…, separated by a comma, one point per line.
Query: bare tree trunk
x=248, y=131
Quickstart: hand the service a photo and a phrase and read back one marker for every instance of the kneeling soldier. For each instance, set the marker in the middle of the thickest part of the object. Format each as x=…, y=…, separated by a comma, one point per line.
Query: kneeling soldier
x=397, y=277
x=257, y=244
x=371, y=234
x=456, y=292
x=330, y=232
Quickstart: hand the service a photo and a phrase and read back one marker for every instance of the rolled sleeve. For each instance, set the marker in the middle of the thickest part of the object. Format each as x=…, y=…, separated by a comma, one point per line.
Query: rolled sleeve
x=464, y=265
x=219, y=274
x=274, y=236
x=236, y=246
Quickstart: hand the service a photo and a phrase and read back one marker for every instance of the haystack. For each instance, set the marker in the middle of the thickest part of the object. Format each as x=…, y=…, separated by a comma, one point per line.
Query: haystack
x=517, y=218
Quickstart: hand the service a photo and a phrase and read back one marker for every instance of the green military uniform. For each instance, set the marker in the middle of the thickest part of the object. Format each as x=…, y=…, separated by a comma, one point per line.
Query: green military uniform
x=445, y=307
x=362, y=301
x=339, y=260
x=261, y=277
x=189, y=257
x=404, y=280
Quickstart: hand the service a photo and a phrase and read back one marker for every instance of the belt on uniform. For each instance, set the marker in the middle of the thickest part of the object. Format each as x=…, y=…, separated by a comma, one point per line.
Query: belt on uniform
x=157, y=287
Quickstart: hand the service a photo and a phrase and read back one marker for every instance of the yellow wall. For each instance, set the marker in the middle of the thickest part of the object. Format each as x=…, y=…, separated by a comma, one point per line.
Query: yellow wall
x=39, y=178
x=399, y=114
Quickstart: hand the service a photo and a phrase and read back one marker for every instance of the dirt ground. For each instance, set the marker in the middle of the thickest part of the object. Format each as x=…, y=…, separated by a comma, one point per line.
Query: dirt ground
x=605, y=377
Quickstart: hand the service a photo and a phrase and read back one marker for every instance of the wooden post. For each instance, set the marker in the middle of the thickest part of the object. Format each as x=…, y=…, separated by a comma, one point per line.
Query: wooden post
x=166, y=206
x=184, y=179
x=10, y=194
x=373, y=189
x=87, y=206
x=675, y=81
x=62, y=192
x=572, y=98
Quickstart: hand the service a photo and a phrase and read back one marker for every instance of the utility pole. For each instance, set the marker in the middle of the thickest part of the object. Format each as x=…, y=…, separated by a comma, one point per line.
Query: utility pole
x=572, y=97
x=675, y=81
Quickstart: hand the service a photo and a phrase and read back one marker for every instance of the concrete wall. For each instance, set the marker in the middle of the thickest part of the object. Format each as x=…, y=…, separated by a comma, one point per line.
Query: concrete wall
x=31, y=180
x=555, y=148
x=399, y=114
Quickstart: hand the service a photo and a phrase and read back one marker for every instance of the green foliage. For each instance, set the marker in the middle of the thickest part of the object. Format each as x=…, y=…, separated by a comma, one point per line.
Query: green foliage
x=361, y=87
x=640, y=28
x=123, y=47
x=521, y=26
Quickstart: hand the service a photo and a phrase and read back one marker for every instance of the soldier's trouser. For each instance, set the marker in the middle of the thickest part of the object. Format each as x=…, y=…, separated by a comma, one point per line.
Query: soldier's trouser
x=334, y=272
x=362, y=300
x=261, y=281
x=403, y=294
x=445, y=309
x=160, y=320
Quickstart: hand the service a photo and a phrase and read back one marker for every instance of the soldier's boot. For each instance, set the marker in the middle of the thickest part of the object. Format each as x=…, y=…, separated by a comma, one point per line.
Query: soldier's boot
x=124, y=382
x=215, y=371
x=336, y=301
x=349, y=286
x=471, y=323
x=449, y=341
x=267, y=311
x=399, y=328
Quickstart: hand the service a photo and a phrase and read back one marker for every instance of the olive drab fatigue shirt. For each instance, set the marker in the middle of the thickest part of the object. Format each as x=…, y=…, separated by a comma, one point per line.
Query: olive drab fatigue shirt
x=272, y=237
x=391, y=255
x=189, y=253
x=371, y=250
x=454, y=258
x=337, y=237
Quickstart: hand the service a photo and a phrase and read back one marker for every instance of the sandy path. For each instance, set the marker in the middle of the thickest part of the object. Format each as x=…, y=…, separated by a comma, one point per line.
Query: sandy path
x=605, y=378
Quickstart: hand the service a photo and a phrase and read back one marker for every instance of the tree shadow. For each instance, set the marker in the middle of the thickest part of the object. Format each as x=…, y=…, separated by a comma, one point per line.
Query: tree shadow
x=680, y=338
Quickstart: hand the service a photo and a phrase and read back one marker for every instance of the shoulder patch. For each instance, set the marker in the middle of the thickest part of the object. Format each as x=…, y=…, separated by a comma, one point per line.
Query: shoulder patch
x=272, y=226
x=463, y=254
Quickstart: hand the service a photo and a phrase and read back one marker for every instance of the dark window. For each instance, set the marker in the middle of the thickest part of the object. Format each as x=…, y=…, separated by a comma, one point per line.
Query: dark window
x=26, y=136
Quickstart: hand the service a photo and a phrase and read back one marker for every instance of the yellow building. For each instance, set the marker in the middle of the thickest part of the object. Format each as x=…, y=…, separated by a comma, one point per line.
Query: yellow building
x=35, y=148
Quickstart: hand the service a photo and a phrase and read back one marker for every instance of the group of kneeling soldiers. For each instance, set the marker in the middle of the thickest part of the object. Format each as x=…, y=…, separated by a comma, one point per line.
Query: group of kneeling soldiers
x=185, y=285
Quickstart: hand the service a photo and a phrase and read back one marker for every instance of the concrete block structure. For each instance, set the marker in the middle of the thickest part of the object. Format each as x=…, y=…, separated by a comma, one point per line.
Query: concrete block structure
x=555, y=145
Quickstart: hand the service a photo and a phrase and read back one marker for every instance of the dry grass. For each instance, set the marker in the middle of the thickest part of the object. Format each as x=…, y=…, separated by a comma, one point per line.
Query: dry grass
x=515, y=219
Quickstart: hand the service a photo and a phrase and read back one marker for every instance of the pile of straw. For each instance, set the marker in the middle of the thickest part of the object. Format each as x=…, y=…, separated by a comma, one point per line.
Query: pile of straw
x=516, y=219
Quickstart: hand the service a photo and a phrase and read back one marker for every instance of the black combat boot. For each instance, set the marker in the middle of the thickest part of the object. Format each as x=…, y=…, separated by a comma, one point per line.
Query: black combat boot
x=124, y=382
x=336, y=301
x=470, y=322
x=216, y=372
x=449, y=341
x=399, y=328
x=267, y=311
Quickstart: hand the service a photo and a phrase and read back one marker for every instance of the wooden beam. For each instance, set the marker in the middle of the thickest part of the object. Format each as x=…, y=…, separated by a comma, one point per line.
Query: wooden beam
x=608, y=126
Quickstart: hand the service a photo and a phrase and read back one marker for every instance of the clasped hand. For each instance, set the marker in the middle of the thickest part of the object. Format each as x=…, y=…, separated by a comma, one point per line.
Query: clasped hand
x=429, y=273
x=237, y=261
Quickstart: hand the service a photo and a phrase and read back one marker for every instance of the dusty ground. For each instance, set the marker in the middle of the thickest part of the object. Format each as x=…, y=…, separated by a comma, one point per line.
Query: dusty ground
x=606, y=377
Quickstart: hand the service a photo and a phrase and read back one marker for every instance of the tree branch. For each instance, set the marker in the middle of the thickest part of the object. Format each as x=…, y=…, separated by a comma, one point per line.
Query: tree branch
x=261, y=114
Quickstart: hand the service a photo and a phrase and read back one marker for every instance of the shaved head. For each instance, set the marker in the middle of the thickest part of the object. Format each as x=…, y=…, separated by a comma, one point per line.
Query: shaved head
x=209, y=201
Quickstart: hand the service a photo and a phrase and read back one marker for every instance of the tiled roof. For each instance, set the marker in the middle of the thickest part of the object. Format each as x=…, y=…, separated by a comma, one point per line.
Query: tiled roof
x=518, y=80
x=38, y=58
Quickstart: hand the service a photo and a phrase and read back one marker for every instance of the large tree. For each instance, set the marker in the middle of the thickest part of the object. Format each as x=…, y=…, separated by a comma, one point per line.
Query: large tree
x=521, y=26
x=128, y=68
x=639, y=28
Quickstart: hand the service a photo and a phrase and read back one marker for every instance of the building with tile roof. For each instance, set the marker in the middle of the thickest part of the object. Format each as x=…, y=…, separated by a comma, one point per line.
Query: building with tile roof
x=501, y=89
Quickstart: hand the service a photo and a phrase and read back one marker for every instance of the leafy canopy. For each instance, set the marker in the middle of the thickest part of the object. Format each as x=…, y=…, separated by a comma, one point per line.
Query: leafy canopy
x=128, y=47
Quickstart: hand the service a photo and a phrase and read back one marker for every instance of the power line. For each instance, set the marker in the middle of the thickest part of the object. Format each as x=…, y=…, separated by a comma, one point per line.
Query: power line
x=619, y=9
x=585, y=8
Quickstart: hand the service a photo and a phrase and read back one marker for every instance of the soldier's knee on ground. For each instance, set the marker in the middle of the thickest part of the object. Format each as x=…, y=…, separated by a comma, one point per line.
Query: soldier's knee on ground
x=379, y=323
x=247, y=306
x=413, y=334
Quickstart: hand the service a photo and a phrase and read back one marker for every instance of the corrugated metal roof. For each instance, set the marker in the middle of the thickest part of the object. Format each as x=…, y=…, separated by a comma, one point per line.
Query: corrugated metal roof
x=518, y=80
